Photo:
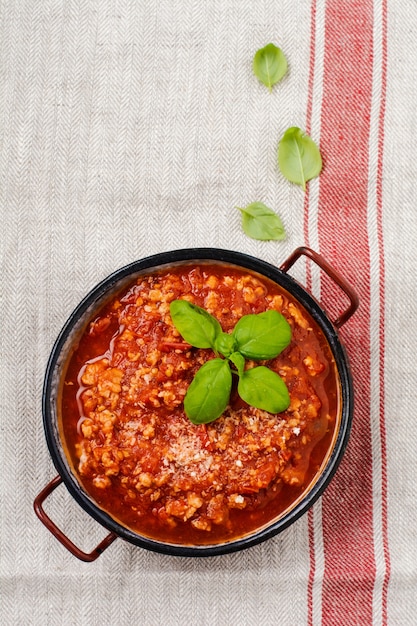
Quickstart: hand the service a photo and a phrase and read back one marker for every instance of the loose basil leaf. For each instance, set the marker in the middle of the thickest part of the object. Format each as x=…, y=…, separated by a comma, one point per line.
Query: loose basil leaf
x=239, y=361
x=196, y=325
x=264, y=389
x=225, y=344
x=261, y=222
x=299, y=158
x=209, y=393
x=269, y=65
x=262, y=336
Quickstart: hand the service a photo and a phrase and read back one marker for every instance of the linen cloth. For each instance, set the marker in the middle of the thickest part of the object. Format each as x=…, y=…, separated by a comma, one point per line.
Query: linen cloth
x=131, y=128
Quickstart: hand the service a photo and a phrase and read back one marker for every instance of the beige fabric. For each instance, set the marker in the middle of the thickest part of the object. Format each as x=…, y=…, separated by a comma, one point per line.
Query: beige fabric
x=130, y=128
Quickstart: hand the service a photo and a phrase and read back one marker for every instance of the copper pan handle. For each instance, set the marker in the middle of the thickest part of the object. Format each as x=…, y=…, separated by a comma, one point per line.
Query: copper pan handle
x=333, y=274
x=58, y=534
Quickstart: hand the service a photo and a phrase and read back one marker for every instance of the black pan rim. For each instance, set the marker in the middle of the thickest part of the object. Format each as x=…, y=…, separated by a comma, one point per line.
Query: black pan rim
x=174, y=257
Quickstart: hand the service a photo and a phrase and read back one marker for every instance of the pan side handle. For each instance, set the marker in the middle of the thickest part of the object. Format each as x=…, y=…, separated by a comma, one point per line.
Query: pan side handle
x=333, y=274
x=57, y=532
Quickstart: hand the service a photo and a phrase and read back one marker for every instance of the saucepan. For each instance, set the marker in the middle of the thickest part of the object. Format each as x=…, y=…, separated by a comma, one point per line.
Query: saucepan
x=89, y=309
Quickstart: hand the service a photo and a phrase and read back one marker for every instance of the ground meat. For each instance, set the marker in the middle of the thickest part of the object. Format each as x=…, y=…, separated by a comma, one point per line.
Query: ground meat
x=134, y=448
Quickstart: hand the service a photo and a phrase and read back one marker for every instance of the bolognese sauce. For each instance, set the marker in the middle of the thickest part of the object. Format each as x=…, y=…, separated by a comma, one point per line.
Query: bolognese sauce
x=134, y=449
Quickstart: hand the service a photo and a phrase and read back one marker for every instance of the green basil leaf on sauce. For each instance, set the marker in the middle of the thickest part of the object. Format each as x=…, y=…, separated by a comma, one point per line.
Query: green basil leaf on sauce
x=196, y=325
x=264, y=389
x=269, y=65
x=262, y=336
x=209, y=392
x=238, y=361
x=299, y=158
x=255, y=336
x=225, y=344
x=261, y=222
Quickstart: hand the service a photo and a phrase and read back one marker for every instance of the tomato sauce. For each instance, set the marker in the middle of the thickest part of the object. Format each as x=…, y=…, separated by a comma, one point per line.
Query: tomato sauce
x=135, y=451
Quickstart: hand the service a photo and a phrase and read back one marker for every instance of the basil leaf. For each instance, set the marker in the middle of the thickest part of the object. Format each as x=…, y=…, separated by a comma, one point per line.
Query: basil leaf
x=269, y=65
x=264, y=389
x=262, y=336
x=261, y=222
x=299, y=158
x=209, y=392
x=239, y=361
x=225, y=344
x=196, y=325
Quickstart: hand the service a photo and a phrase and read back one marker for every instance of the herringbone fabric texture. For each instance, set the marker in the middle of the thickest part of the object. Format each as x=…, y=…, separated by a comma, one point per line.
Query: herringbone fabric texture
x=131, y=128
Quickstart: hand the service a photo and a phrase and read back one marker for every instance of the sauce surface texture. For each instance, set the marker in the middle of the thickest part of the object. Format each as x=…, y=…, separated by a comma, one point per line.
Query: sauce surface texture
x=135, y=451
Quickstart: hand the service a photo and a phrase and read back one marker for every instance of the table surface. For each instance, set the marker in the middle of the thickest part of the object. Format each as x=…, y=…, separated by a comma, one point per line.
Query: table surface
x=131, y=128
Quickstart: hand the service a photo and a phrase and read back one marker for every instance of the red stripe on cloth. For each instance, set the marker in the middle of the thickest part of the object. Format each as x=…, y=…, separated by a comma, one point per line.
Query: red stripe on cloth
x=312, y=553
x=312, y=569
x=347, y=515
x=384, y=485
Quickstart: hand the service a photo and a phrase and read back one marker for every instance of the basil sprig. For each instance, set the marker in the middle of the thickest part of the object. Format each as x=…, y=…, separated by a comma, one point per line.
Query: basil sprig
x=258, y=337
